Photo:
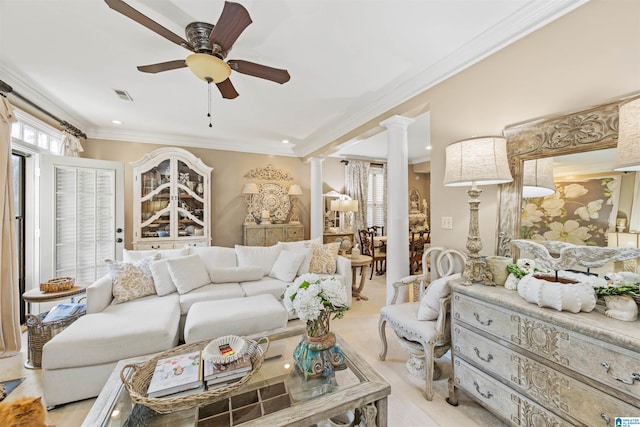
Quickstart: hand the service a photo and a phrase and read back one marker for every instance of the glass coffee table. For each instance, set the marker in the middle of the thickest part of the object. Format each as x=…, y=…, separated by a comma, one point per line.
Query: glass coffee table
x=276, y=395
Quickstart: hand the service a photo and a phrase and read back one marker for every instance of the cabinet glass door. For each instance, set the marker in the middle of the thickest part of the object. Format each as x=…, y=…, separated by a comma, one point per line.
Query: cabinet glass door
x=155, y=206
x=190, y=201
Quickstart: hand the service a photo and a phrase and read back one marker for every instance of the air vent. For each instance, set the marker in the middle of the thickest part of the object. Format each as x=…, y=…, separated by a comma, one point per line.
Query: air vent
x=122, y=94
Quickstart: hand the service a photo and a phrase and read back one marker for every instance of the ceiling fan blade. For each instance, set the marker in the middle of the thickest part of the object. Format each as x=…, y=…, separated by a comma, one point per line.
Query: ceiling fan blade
x=257, y=70
x=227, y=90
x=131, y=13
x=233, y=20
x=163, y=66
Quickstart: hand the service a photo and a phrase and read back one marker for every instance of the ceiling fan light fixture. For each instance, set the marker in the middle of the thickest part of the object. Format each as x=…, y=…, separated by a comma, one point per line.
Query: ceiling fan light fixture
x=208, y=67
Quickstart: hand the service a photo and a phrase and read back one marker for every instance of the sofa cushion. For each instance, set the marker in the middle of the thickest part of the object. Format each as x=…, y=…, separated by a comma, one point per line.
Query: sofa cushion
x=146, y=325
x=211, y=292
x=131, y=280
x=188, y=273
x=162, y=278
x=132, y=256
x=430, y=301
x=323, y=260
x=215, y=257
x=264, y=256
x=235, y=274
x=286, y=266
x=304, y=247
x=266, y=285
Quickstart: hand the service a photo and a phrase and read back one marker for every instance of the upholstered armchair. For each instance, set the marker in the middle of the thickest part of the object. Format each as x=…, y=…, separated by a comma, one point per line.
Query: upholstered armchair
x=423, y=328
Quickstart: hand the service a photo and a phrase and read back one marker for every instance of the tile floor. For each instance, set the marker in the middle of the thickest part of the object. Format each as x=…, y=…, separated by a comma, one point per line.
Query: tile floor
x=407, y=406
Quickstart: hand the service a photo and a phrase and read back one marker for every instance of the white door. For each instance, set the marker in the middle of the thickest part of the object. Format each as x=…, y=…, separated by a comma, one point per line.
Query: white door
x=81, y=216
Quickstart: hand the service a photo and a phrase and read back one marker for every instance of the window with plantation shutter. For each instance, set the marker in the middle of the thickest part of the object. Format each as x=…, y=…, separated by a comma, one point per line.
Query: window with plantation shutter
x=375, y=198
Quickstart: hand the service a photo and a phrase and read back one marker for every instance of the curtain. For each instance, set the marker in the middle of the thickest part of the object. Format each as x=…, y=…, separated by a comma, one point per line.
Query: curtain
x=634, y=216
x=9, y=292
x=358, y=188
x=70, y=145
x=384, y=205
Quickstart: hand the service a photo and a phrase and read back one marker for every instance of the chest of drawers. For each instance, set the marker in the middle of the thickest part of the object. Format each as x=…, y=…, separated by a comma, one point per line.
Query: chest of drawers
x=536, y=366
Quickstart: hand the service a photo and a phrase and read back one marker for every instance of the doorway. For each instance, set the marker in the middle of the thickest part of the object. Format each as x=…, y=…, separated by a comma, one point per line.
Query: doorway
x=18, y=166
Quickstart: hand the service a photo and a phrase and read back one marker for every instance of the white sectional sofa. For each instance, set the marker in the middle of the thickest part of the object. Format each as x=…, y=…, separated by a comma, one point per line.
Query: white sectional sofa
x=77, y=362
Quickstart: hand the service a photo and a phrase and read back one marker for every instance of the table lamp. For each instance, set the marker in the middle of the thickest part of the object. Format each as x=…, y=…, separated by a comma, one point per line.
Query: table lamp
x=476, y=161
x=346, y=209
x=249, y=190
x=294, y=192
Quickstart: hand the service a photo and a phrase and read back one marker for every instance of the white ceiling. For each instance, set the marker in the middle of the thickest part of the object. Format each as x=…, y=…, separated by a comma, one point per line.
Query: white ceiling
x=349, y=60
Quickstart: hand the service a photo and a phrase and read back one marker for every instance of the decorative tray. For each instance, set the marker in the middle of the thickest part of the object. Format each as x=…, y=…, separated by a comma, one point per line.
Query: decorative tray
x=226, y=349
x=138, y=383
x=57, y=284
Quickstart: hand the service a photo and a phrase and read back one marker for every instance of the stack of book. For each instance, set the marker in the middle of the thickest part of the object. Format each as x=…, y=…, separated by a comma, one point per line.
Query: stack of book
x=177, y=375
x=62, y=311
x=219, y=375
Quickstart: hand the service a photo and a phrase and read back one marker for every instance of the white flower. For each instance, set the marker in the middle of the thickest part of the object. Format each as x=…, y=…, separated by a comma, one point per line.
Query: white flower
x=573, y=191
x=590, y=211
x=570, y=232
x=310, y=294
x=531, y=214
x=553, y=205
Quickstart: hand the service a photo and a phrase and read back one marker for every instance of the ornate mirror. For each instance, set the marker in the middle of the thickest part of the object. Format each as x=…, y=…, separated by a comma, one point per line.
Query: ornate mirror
x=592, y=129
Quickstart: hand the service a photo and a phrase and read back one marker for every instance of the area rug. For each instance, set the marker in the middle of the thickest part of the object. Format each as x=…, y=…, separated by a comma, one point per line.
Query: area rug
x=10, y=385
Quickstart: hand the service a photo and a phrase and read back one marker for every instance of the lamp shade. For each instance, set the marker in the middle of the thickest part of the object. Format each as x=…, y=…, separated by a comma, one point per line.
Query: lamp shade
x=206, y=66
x=348, y=206
x=335, y=205
x=628, y=151
x=250, y=188
x=537, y=178
x=481, y=160
x=295, y=190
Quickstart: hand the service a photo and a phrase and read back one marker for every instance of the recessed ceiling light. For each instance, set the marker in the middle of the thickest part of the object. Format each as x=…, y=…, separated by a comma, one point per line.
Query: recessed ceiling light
x=285, y=141
x=116, y=122
x=428, y=147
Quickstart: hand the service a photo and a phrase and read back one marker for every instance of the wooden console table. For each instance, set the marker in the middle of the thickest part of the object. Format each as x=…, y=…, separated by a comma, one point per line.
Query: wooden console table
x=538, y=366
x=270, y=234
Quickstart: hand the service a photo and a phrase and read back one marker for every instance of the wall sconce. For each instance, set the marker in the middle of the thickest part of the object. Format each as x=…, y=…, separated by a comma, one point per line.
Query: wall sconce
x=249, y=190
x=628, y=151
x=476, y=161
x=537, y=178
x=294, y=192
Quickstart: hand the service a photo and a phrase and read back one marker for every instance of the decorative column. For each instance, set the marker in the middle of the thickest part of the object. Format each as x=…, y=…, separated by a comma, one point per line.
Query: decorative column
x=397, y=201
x=317, y=200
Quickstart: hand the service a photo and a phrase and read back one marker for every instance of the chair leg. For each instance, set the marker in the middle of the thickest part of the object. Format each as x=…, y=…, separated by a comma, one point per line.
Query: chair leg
x=429, y=359
x=382, y=323
x=373, y=267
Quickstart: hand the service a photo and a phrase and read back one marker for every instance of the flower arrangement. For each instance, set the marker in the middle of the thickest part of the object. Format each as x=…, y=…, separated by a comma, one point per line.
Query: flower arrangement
x=310, y=296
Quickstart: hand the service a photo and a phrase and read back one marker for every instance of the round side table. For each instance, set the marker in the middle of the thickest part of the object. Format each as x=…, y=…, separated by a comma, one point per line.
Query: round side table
x=36, y=295
x=361, y=261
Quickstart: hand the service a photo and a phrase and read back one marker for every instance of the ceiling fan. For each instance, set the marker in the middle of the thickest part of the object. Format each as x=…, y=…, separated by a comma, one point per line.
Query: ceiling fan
x=210, y=45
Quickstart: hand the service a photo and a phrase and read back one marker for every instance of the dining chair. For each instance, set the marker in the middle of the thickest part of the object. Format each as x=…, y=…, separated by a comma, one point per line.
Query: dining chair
x=416, y=250
x=367, y=247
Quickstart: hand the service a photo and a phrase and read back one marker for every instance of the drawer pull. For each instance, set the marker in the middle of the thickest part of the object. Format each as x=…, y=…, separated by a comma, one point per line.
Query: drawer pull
x=477, y=316
x=606, y=418
x=489, y=356
x=634, y=376
x=488, y=395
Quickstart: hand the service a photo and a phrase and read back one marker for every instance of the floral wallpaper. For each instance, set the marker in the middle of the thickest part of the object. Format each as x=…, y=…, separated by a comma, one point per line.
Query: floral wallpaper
x=580, y=212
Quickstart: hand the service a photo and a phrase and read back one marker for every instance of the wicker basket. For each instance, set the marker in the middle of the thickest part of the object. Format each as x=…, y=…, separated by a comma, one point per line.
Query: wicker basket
x=57, y=284
x=39, y=333
x=138, y=383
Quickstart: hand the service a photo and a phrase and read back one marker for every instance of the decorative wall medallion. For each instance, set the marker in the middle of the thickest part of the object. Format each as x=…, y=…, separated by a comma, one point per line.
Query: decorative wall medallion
x=274, y=198
x=268, y=173
x=541, y=383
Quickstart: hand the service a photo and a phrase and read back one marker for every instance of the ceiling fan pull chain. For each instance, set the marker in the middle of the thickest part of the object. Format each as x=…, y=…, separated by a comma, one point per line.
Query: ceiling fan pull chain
x=209, y=80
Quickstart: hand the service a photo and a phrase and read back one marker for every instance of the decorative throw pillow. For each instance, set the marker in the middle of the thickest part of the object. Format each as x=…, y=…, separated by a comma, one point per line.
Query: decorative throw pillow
x=323, y=260
x=188, y=273
x=264, y=256
x=131, y=280
x=429, y=308
x=162, y=278
x=286, y=266
x=133, y=256
x=236, y=274
x=302, y=246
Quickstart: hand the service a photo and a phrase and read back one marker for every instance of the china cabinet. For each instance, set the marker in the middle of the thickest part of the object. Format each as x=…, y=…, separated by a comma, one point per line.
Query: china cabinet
x=535, y=366
x=171, y=200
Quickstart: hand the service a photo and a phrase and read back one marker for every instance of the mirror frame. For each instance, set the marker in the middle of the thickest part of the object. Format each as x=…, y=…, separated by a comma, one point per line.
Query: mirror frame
x=595, y=128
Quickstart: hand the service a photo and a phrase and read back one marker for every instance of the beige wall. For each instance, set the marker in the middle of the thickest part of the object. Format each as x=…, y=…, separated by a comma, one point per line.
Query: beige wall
x=582, y=59
x=228, y=208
